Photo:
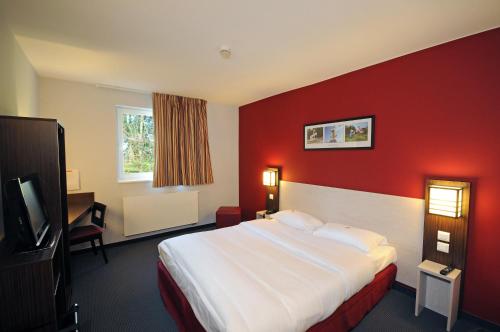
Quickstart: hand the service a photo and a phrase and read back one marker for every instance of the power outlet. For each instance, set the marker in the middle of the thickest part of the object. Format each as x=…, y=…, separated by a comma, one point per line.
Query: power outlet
x=443, y=247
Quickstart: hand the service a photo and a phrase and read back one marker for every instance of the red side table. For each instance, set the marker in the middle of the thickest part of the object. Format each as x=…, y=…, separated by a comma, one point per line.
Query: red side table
x=227, y=216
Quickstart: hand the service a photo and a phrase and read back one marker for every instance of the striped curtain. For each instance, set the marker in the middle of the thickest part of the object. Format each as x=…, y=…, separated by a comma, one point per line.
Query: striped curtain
x=182, y=155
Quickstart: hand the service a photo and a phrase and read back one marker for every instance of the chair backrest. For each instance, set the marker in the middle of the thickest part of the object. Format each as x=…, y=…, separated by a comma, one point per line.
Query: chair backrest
x=98, y=213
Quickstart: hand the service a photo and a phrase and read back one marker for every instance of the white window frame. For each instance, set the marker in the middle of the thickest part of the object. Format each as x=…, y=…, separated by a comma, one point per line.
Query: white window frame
x=122, y=176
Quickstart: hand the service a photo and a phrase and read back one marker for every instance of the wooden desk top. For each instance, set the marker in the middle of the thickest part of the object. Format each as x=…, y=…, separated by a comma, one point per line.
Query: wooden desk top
x=79, y=205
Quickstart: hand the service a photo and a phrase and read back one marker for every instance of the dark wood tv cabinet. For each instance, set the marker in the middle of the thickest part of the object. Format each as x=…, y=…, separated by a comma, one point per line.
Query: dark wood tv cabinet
x=32, y=287
x=35, y=287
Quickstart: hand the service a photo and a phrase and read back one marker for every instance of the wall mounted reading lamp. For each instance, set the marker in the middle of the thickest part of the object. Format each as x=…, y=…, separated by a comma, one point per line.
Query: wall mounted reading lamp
x=446, y=222
x=270, y=179
x=445, y=200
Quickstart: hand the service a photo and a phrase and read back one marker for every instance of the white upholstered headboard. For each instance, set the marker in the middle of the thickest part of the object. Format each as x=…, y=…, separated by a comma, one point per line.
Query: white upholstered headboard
x=400, y=219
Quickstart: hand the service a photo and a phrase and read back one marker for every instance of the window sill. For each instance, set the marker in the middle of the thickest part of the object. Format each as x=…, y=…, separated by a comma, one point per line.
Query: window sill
x=134, y=180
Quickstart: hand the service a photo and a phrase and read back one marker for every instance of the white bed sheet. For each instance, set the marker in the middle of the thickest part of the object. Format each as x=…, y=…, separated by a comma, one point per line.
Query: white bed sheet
x=383, y=256
x=353, y=265
x=237, y=281
x=265, y=276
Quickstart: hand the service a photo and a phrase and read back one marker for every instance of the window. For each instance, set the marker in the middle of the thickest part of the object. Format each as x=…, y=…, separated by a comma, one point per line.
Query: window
x=135, y=143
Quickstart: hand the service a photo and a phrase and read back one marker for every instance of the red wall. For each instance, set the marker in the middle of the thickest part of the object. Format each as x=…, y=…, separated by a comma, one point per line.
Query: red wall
x=437, y=114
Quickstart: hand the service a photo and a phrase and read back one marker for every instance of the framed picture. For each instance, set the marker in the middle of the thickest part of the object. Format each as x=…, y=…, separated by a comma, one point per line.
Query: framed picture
x=354, y=133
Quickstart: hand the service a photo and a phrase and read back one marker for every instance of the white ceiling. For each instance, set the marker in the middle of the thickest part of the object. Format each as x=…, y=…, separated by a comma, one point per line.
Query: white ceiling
x=278, y=45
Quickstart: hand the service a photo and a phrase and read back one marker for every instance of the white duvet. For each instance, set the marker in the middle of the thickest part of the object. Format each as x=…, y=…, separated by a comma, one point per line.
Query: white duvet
x=264, y=276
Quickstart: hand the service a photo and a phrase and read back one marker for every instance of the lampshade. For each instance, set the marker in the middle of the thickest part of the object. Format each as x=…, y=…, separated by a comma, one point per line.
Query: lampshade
x=269, y=178
x=445, y=201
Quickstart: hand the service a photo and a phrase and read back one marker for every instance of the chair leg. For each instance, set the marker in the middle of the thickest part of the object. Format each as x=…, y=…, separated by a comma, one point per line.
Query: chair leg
x=102, y=249
x=94, y=249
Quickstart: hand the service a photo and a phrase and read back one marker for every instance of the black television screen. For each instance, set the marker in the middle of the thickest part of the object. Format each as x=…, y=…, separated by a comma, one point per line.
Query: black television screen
x=35, y=209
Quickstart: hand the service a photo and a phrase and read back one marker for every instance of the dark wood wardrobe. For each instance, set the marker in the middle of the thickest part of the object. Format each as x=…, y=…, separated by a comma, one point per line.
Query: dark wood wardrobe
x=35, y=287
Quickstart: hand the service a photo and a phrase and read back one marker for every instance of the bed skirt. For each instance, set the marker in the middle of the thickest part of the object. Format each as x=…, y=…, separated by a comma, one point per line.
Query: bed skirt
x=346, y=317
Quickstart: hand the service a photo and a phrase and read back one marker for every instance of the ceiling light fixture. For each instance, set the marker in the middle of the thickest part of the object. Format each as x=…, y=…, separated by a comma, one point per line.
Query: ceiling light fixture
x=225, y=52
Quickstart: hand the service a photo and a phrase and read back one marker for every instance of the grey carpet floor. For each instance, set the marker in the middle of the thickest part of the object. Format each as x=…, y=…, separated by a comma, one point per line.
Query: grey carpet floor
x=123, y=296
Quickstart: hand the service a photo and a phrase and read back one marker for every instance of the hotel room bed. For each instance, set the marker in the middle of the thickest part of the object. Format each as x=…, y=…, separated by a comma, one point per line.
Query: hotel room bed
x=266, y=276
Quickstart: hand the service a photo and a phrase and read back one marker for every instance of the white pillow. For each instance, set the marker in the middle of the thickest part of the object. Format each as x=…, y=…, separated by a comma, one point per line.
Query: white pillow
x=297, y=219
x=362, y=239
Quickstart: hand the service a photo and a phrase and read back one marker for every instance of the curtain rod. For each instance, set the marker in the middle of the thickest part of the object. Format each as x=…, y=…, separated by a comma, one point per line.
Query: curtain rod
x=115, y=87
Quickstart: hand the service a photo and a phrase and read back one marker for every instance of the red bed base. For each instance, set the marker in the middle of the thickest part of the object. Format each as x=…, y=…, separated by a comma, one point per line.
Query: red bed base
x=346, y=317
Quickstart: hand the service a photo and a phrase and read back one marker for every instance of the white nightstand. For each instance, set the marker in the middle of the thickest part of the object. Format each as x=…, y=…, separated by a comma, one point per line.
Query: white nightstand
x=438, y=292
x=261, y=215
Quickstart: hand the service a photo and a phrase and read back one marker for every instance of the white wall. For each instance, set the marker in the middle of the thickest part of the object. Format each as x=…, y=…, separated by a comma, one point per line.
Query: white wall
x=18, y=79
x=89, y=117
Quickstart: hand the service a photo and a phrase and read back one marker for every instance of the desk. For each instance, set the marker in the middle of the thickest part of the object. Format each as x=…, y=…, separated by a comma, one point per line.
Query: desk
x=79, y=206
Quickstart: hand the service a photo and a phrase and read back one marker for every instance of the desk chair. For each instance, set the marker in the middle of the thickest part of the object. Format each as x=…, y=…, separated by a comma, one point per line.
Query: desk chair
x=90, y=233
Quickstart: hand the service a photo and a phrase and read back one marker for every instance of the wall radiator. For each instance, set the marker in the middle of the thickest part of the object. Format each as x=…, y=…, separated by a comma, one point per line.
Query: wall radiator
x=155, y=212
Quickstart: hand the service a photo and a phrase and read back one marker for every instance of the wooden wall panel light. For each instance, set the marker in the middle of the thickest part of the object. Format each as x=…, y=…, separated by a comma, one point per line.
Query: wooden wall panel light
x=271, y=179
x=455, y=222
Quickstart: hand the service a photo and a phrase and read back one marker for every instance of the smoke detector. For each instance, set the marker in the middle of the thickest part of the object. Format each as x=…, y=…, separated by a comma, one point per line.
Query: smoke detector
x=225, y=52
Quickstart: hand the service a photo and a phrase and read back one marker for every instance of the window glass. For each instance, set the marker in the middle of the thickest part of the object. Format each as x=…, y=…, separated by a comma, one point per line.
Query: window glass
x=135, y=143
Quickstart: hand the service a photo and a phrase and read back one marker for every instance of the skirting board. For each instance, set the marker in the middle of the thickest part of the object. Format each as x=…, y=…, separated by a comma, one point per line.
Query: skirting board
x=400, y=219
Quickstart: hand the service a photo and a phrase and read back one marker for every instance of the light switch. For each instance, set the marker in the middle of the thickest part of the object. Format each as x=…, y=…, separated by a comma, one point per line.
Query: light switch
x=443, y=247
x=444, y=236
x=271, y=196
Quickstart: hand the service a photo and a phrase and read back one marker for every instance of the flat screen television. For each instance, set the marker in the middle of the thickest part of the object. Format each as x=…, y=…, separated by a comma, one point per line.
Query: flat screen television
x=35, y=208
x=27, y=210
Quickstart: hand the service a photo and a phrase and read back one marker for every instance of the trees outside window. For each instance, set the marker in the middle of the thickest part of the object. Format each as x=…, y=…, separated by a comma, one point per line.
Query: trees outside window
x=135, y=143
